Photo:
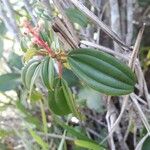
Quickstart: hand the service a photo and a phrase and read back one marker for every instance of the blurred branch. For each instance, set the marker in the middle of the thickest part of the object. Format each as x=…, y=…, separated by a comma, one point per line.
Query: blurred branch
x=129, y=35
x=63, y=34
x=141, y=113
x=8, y=24
x=30, y=11
x=11, y=19
x=46, y=3
x=139, y=145
x=58, y=4
x=55, y=136
x=131, y=64
x=103, y=48
x=115, y=21
x=103, y=26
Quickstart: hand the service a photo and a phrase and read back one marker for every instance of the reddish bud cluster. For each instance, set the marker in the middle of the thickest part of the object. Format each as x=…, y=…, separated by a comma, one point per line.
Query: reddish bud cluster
x=39, y=41
x=36, y=38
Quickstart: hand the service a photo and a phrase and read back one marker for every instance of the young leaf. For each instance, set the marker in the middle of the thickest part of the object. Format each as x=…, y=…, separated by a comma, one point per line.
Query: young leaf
x=29, y=54
x=39, y=140
x=70, y=100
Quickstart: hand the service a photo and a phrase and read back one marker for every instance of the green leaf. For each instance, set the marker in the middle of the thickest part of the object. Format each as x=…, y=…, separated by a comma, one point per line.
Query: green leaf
x=47, y=72
x=29, y=54
x=70, y=77
x=60, y=98
x=76, y=16
x=39, y=140
x=70, y=100
x=88, y=145
x=15, y=60
x=146, y=144
x=102, y=72
x=31, y=75
x=43, y=114
x=9, y=81
x=35, y=96
x=34, y=77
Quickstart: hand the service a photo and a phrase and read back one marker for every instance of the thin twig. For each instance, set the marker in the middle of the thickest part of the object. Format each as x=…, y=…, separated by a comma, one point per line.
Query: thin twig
x=58, y=4
x=142, y=115
x=98, y=22
x=8, y=24
x=55, y=136
x=131, y=65
x=30, y=11
x=103, y=48
x=139, y=146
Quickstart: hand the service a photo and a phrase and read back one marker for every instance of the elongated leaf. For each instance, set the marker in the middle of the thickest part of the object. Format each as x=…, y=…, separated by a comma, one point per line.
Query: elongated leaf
x=52, y=104
x=47, y=73
x=34, y=77
x=38, y=139
x=70, y=100
x=89, y=145
x=146, y=144
x=9, y=81
x=61, y=145
x=32, y=69
x=45, y=129
x=102, y=72
x=70, y=77
x=60, y=98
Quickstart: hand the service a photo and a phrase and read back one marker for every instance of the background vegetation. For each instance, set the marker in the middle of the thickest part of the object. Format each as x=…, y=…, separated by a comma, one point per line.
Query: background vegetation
x=26, y=122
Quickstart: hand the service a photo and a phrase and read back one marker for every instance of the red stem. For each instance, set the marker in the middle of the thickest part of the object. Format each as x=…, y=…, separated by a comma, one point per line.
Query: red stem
x=39, y=40
x=42, y=43
x=60, y=69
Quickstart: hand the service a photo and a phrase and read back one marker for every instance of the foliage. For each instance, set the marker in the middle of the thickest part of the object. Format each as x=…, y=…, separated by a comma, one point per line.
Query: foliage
x=56, y=80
